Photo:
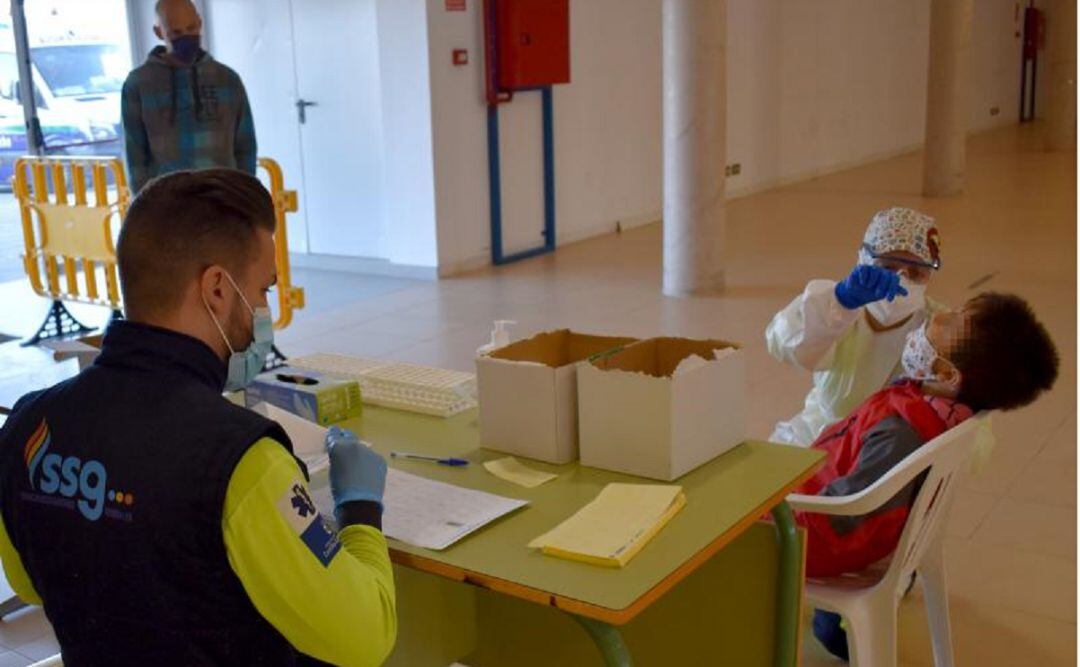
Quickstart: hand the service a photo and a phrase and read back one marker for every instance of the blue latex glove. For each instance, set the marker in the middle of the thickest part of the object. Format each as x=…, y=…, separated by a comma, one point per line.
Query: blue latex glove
x=866, y=284
x=356, y=472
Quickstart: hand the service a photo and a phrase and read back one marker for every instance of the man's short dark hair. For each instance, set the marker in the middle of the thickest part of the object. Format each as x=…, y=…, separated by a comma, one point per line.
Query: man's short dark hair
x=183, y=223
x=1009, y=358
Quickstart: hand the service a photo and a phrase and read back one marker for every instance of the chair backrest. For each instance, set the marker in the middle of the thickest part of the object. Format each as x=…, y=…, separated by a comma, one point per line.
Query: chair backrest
x=941, y=459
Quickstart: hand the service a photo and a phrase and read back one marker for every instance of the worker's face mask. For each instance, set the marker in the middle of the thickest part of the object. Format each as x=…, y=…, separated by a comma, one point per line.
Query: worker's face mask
x=186, y=48
x=888, y=313
x=247, y=363
x=919, y=356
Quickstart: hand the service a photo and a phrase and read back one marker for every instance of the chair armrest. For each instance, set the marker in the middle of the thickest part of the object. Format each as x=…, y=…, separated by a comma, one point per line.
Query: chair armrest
x=870, y=498
x=889, y=484
x=853, y=505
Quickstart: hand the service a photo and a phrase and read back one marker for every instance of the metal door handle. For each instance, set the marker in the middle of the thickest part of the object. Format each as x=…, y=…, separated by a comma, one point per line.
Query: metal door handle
x=301, y=108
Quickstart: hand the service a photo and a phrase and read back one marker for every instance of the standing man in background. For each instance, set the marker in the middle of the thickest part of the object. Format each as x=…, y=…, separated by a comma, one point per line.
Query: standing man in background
x=182, y=109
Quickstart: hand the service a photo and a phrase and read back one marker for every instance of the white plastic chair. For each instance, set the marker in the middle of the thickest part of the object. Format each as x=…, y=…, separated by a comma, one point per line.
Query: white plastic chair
x=868, y=599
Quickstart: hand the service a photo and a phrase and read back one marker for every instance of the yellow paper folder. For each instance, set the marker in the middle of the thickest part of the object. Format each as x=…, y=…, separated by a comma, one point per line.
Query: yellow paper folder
x=615, y=526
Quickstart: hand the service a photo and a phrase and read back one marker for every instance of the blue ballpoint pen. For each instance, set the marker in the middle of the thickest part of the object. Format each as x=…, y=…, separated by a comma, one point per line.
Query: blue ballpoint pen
x=433, y=459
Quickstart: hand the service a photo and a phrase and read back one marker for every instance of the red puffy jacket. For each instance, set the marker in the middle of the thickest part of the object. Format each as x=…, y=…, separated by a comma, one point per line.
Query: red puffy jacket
x=860, y=449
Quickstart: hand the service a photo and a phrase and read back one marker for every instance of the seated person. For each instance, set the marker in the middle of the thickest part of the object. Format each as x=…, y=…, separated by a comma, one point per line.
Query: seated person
x=990, y=355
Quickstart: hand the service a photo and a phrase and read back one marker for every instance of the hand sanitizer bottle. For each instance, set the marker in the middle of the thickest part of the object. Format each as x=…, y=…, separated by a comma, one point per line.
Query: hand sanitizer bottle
x=500, y=337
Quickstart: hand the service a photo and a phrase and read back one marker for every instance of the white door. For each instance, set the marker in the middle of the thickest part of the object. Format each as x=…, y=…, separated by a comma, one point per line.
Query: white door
x=311, y=69
x=255, y=38
x=337, y=72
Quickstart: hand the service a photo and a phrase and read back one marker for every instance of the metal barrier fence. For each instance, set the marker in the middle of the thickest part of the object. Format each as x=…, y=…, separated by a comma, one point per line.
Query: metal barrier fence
x=290, y=297
x=69, y=227
x=70, y=219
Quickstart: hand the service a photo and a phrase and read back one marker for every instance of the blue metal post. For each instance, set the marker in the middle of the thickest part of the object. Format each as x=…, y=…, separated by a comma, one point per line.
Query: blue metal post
x=495, y=180
x=549, y=170
x=494, y=183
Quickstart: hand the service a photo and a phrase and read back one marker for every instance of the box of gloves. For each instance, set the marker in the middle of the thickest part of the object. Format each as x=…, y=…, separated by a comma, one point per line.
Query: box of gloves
x=528, y=393
x=661, y=407
x=308, y=394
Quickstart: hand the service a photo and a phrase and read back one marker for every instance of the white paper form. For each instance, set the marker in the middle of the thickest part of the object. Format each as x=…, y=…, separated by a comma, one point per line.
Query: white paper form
x=417, y=510
x=431, y=514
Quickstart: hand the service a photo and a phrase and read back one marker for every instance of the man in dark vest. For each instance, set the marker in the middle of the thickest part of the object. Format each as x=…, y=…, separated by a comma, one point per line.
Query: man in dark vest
x=157, y=522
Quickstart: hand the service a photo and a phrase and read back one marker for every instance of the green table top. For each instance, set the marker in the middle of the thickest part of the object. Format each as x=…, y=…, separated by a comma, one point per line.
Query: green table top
x=722, y=497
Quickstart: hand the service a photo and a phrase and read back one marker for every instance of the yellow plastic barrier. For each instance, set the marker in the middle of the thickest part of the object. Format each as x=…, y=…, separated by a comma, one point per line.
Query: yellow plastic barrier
x=67, y=223
x=290, y=297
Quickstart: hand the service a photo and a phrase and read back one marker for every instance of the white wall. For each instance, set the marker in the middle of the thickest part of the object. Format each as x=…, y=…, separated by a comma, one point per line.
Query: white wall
x=459, y=136
x=995, y=58
x=608, y=117
x=813, y=86
x=817, y=85
x=606, y=122
x=141, y=21
x=408, y=235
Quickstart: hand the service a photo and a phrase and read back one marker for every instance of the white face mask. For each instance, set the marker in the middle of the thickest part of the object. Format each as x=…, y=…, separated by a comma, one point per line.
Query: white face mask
x=888, y=313
x=919, y=356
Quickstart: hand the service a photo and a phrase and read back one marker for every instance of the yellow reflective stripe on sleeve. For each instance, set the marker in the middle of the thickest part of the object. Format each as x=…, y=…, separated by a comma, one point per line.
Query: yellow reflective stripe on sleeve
x=334, y=604
x=14, y=570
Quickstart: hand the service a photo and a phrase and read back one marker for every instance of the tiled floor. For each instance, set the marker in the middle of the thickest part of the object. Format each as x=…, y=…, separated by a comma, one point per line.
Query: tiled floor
x=1012, y=538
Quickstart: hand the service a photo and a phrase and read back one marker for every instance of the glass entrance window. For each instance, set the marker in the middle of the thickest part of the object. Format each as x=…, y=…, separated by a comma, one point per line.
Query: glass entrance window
x=80, y=55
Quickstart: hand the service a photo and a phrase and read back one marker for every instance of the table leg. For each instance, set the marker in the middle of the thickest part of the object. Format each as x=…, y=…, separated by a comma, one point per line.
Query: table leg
x=788, y=587
x=609, y=640
x=11, y=605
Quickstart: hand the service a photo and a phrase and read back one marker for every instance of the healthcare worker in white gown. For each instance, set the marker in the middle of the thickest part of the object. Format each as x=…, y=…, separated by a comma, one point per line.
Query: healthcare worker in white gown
x=850, y=334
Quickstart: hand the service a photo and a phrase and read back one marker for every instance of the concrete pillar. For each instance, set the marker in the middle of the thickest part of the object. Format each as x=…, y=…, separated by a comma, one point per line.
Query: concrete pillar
x=1061, y=75
x=948, y=84
x=695, y=124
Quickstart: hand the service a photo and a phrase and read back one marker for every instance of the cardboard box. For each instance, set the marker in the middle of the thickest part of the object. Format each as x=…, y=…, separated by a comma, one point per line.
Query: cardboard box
x=528, y=393
x=311, y=395
x=662, y=407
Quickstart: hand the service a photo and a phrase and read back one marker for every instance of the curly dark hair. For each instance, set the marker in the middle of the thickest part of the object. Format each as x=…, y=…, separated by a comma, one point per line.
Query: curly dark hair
x=1009, y=358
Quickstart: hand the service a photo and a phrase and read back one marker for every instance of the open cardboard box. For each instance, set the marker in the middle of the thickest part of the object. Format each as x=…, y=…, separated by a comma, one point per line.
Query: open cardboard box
x=662, y=407
x=528, y=393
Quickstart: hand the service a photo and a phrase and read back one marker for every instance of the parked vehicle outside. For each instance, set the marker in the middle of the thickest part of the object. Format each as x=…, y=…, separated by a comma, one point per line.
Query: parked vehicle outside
x=77, y=90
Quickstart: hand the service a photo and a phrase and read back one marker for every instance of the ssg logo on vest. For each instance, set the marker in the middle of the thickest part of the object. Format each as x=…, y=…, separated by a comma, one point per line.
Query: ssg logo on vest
x=70, y=483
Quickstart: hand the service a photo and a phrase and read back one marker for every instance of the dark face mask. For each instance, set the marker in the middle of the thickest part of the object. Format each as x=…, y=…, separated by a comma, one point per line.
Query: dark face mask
x=186, y=49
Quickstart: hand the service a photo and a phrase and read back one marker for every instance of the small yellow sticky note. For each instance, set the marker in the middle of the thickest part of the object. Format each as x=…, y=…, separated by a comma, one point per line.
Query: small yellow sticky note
x=515, y=471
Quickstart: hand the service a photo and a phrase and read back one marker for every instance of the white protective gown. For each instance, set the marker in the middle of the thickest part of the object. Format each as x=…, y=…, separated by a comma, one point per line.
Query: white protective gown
x=849, y=360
